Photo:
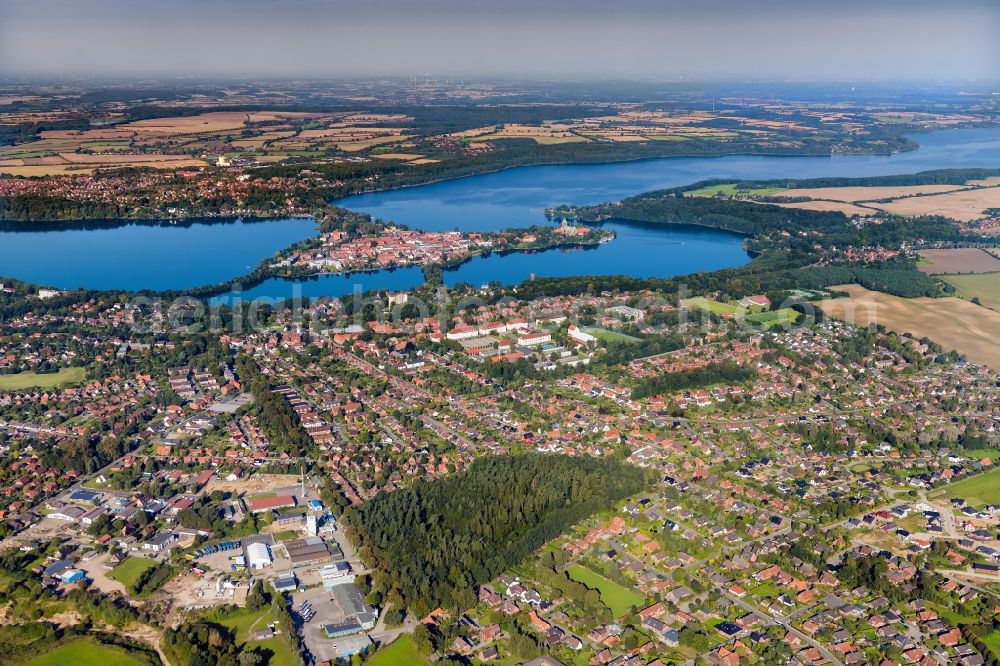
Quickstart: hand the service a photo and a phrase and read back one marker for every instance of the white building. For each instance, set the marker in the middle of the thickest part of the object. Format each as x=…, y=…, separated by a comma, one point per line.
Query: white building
x=531, y=338
x=462, y=332
x=259, y=555
x=578, y=335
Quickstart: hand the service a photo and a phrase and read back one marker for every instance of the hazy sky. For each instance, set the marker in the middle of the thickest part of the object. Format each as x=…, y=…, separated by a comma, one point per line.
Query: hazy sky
x=844, y=39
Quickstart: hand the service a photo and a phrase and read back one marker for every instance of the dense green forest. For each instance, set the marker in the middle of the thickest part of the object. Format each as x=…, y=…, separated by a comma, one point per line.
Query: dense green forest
x=433, y=544
x=279, y=421
x=714, y=373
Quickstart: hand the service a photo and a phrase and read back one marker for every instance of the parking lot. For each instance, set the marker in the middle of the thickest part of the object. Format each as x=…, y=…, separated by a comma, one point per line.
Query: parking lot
x=324, y=610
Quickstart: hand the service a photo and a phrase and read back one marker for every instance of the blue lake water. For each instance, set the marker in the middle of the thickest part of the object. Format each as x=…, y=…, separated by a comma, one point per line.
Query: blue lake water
x=141, y=257
x=137, y=256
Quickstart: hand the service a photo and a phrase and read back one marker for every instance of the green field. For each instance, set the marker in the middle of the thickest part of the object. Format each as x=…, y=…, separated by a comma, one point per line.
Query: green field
x=984, y=286
x=401, y=652
x=26, y=380
x=992, y=641
x=730, y=190
x=715, y=307
x=978, y=490
x=605, y=335
x=245, y=624
x=772, y=318
x=619, y=599
x=129, y=571
x=84, y=653
x=286, y=535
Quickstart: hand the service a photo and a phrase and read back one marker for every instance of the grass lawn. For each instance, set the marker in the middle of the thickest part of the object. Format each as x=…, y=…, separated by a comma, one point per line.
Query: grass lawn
x=953, y=617
x=992, y=641
x=985, y=286
x=280, y=653
x=771, y=318
x=978, y=490
x=84, y=653
x=129, y=571
x=26, y=380
x=605, y=335
x=401, y=652
x=286, y=535
x=729, y=190
x=619, y=599
x=979, y=454
x=245, y=624
x=712, y=306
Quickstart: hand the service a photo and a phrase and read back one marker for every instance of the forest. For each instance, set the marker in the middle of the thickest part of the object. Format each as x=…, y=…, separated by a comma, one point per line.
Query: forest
x=435, y=543
x=279, y=420
x=714, y=373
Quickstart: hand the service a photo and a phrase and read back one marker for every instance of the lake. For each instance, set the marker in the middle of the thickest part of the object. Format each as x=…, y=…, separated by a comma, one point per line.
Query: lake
x=176, y=257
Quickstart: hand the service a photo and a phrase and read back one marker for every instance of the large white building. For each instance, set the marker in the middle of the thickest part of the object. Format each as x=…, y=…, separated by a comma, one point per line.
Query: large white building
x=258, y=555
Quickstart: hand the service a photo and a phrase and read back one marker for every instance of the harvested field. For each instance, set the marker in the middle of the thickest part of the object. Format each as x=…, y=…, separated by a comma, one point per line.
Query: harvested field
x=852, y=194
x=75, y=158
x=951, y=322
x=58, y=170
x=964, y=206
x=836, y=206
x=959, y=260
x=216, y=121
x=406, y=157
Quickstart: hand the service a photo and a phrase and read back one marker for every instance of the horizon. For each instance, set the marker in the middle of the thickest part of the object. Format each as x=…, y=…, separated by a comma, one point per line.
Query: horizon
x=556, y=40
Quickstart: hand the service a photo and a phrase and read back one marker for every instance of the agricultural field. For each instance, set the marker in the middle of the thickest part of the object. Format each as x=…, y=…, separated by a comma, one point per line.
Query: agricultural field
x=198, y=140
x=951, y=322
x=129, y=571
x=84, y=653
x=27, y=380
x=963, y=205
x=978, y=490
x=985, y=287
x=401, y=652
x=958, y=260
x=619, y=599
x=733, y=190
x=848, y=209
x=875, y=193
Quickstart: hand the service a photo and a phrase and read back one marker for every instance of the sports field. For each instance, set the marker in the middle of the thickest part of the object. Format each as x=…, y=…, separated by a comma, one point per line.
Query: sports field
x=605, y=335
x=978, y=490
x=26, y=380
x=710, y=305
x=619, y=599
x=401, y=652
x=772, y=318
x=84, y=653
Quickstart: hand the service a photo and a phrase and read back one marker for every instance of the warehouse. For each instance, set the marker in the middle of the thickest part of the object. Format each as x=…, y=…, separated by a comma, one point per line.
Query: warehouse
x=258, y=555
